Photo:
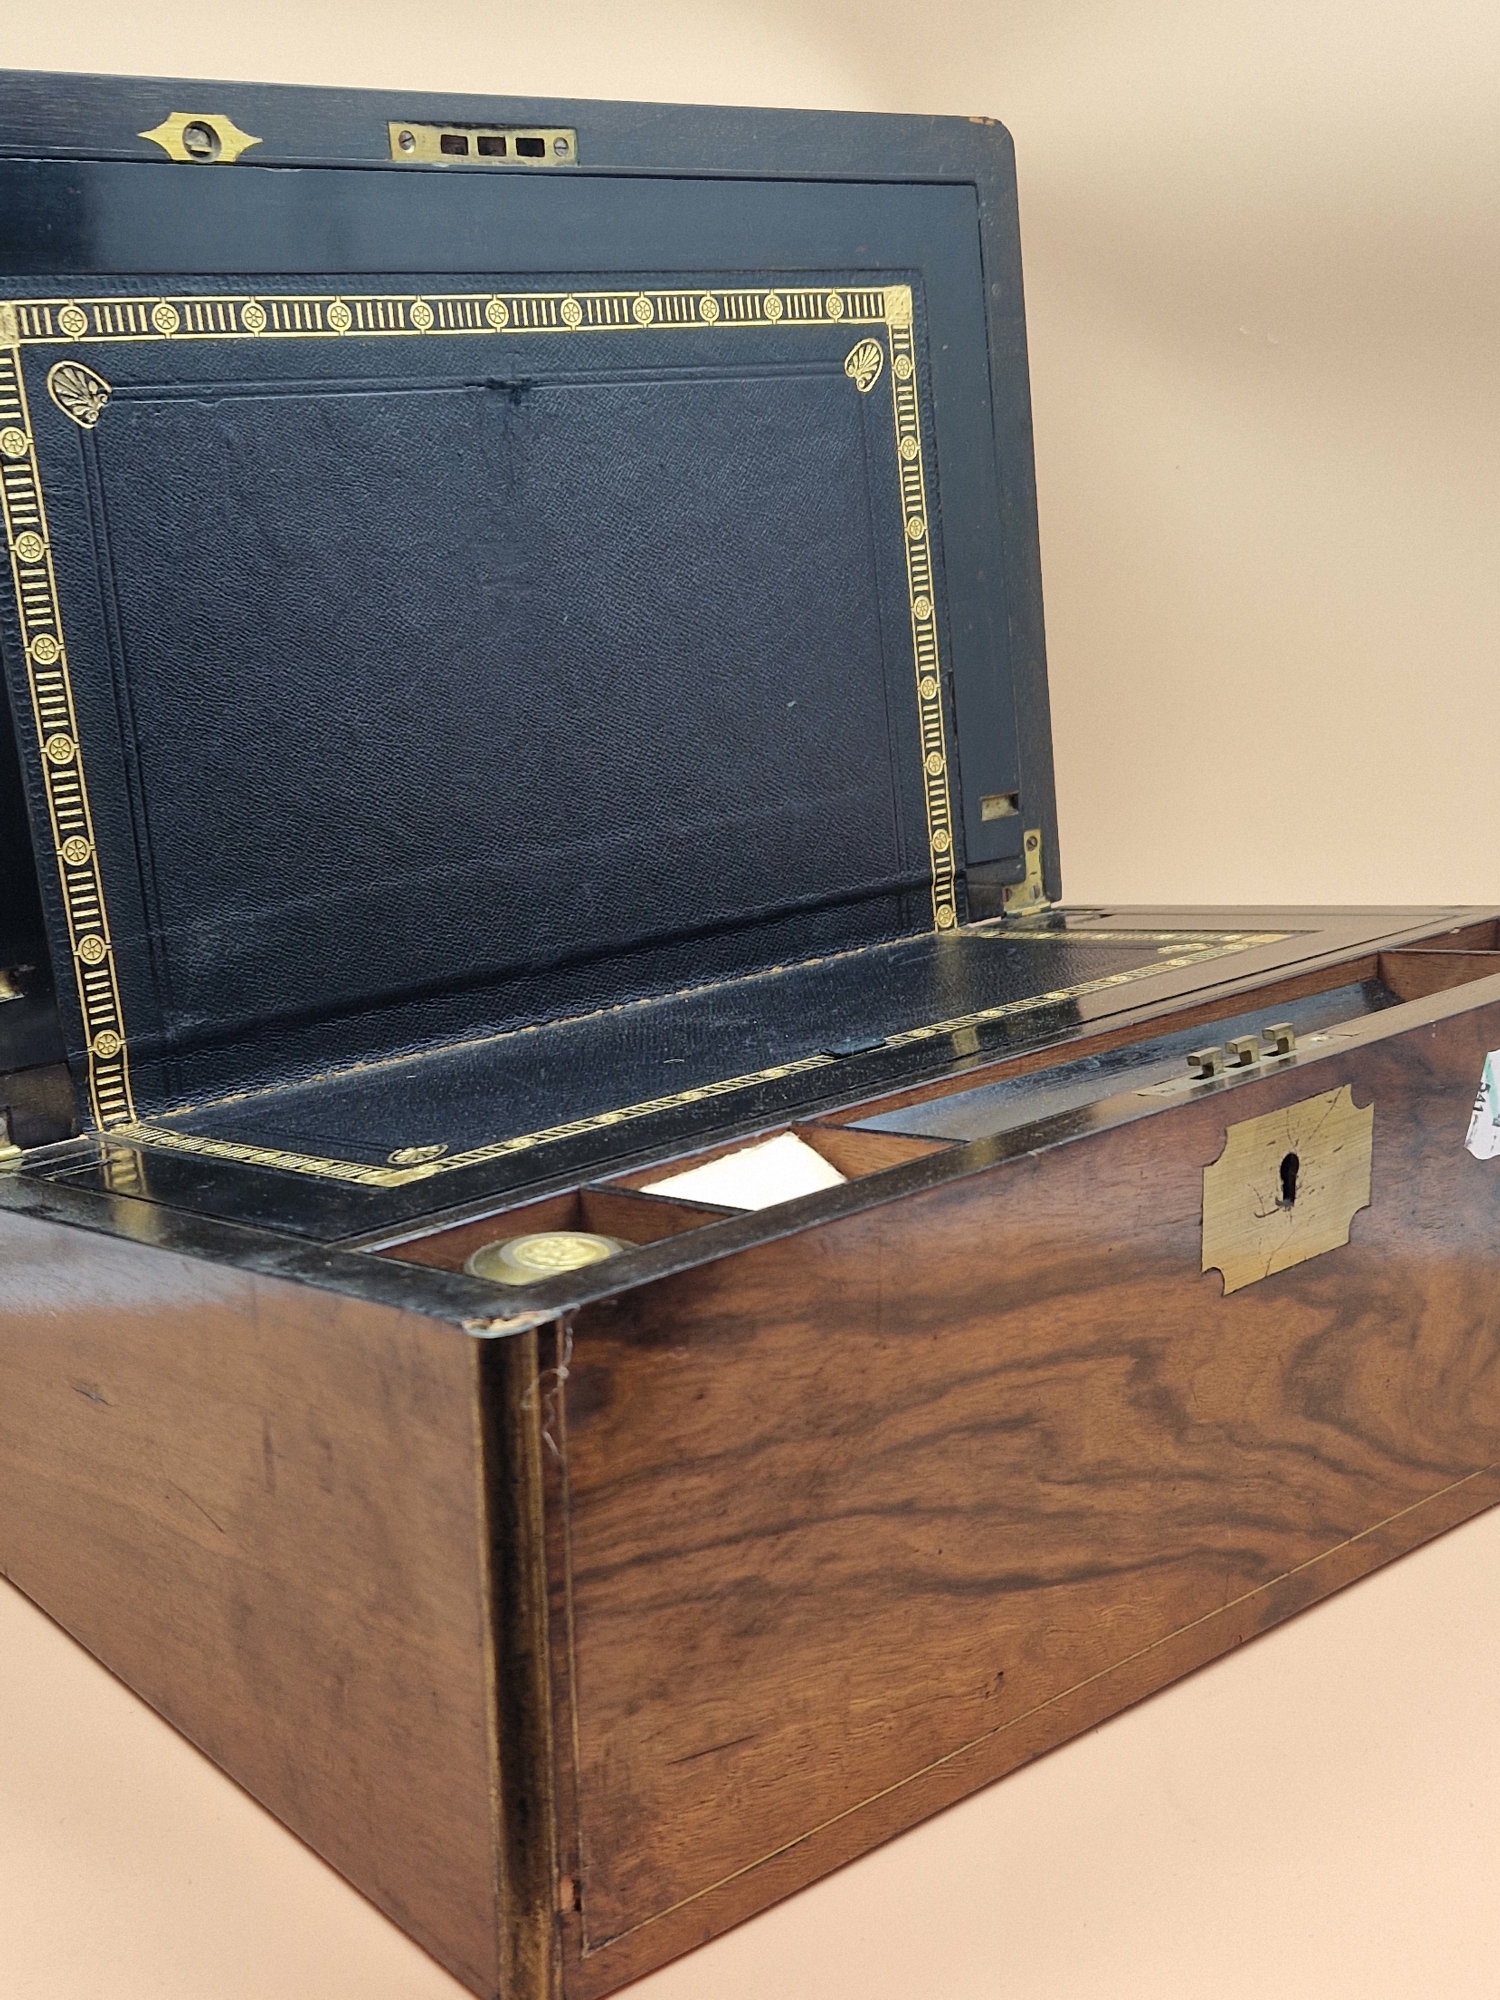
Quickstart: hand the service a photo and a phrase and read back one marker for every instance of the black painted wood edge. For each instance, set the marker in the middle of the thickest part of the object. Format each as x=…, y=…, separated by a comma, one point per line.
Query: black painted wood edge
x=60, y=115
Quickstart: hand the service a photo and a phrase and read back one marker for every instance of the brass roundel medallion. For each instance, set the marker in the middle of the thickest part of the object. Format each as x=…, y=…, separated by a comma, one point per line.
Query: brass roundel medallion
x=339, y=317
x=45, y=649
x=908, y=449
x=76, y=851
x=497, y=313
x=945, y=917
x=921, y=606
x=902, y=366
x=708, y=308
x=253, y=316
x=572, y=312
x=106, y=1044
x=13, y=442
x=73, y=321
x=60, y=749
x=941, y=841
x=92, y=949
x=928, y=687
x=934, y=763
x=30, y=547
x=773, y=306
x=421, y=316
x=526, y=1260
x=415, y=1156
x=165, y=317
x=834, y=306
x=642, y=311
x=916, y=528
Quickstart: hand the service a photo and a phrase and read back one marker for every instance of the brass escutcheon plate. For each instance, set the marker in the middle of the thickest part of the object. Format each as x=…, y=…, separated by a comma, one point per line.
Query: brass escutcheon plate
x=1286, y=1187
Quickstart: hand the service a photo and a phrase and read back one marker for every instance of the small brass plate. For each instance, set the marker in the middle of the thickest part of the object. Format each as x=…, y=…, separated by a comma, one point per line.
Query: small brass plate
x=482, y=145
x=1286, y=1187
x=1028, y=895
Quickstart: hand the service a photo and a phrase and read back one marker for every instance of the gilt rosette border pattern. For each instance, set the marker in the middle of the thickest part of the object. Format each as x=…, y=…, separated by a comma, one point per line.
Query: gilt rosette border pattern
x=83, y=323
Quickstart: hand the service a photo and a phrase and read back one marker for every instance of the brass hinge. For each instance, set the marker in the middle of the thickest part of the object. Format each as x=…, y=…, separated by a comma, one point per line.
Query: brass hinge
x=1028, y=898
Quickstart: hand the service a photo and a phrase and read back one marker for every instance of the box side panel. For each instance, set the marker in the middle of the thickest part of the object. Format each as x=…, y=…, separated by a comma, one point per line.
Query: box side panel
x=862, y=1519
x=260, y=1505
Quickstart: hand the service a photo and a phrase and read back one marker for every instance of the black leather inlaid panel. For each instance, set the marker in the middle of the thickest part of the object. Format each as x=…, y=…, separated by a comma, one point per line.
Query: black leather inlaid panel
x=488, y=677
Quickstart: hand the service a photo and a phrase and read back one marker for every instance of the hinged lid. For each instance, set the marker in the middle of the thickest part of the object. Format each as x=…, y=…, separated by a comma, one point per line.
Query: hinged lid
x=455, y=591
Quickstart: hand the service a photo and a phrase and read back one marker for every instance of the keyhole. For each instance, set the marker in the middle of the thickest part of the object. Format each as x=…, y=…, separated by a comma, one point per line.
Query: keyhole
x=1289, y=1167
x=200, y=141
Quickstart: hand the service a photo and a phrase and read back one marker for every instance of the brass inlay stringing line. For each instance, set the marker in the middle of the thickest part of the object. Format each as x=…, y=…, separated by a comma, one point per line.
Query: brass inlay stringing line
x=357, y=1174
x=921, y=598
x=158, y=317
x=51, y=691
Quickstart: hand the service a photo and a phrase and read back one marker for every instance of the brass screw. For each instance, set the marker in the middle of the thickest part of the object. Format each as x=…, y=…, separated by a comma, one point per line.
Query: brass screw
x=560, y=147
x=407, y=141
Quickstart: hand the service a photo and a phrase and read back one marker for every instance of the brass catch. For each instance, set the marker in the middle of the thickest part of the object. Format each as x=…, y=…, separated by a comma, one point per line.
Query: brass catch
x=483, y=145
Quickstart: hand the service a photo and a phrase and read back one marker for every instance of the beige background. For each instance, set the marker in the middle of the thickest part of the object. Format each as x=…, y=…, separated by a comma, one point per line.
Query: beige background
x=1262, y=272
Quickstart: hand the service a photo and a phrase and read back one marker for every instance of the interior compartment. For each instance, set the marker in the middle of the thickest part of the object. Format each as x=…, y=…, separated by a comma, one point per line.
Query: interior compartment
x=618, y=1208
x=632, y=1218
x=853, y=1154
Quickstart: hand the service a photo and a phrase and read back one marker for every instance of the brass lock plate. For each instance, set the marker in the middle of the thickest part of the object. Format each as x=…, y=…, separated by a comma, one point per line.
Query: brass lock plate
x=482, y=145
x=1286, y=1187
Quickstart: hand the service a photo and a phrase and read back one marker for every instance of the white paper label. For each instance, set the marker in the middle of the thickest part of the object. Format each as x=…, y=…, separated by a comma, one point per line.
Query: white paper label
x=1484, y=1127
x=754, y=1177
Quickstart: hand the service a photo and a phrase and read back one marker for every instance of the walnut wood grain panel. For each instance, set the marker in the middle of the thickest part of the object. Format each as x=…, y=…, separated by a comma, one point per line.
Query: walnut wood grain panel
x=1412, y=974
x=866, y=1516
x=856, y=1154
x=1483, y=935
x=261, y=1506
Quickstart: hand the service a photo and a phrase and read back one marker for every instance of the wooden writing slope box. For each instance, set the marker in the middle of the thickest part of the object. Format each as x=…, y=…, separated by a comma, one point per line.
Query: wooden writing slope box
x=523, y=632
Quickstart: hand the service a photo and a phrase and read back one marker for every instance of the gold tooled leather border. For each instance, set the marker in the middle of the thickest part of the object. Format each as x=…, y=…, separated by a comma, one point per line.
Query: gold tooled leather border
x=35, y=583
x=85, y=322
